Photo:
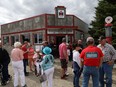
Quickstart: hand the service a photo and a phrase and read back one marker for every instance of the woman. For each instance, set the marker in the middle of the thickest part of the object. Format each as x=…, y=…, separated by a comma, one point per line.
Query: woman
x=76, y=65
x=30, y=56
x=48, y=67
x=17, y=63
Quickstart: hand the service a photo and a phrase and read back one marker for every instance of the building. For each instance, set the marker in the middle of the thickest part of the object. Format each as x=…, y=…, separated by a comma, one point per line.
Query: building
x=50, y=27
x=0, y=32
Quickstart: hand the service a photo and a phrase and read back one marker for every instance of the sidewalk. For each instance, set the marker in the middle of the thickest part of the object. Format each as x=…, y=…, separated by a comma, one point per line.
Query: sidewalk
x=33, y=81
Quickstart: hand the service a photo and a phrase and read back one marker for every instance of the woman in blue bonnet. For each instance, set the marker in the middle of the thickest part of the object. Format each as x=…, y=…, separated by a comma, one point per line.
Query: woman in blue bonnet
x=47, y=65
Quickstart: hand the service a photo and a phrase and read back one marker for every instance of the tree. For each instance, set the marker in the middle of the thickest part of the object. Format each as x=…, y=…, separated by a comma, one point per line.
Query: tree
x=111, y=1
x=105, y=8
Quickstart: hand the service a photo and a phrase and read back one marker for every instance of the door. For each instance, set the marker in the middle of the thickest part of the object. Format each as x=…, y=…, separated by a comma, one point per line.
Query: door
x=58, y=42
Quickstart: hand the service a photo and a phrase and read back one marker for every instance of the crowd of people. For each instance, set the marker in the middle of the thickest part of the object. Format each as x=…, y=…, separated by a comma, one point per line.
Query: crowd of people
x=23, y=55
x=91, y=60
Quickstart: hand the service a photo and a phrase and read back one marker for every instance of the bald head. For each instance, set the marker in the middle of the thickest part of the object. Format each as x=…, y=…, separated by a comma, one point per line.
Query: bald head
x=63, y=39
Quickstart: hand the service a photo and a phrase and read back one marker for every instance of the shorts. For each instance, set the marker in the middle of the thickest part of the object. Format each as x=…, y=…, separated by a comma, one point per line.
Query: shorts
x=63, y=63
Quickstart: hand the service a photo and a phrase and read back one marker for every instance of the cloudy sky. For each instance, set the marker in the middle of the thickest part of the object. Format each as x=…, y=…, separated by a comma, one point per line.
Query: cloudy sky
x=12, y=10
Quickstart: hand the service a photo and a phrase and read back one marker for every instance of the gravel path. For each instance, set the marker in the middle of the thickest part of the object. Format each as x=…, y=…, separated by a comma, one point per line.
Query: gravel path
x=33, y=81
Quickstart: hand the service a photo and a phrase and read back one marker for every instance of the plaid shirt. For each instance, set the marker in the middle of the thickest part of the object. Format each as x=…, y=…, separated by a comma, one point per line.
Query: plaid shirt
x=108, y=51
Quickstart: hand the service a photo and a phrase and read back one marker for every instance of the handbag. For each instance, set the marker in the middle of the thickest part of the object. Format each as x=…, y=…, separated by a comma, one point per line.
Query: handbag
x=43, y=78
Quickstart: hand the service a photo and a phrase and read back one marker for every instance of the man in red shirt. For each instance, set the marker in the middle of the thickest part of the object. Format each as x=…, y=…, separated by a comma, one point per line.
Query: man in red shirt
x=63, y=57
x=91, y=59
x=25, y=60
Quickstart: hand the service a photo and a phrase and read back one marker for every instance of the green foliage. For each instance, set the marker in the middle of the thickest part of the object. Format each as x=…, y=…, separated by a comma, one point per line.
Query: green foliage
x=105, y=8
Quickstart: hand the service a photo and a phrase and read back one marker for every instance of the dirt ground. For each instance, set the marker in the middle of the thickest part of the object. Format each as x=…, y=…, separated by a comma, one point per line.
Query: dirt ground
x=33, y=81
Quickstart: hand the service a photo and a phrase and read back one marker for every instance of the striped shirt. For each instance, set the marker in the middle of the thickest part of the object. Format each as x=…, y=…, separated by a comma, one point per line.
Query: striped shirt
x=108, y=51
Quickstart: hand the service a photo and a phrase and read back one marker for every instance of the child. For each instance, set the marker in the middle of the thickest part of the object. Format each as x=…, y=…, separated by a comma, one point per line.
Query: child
x=68, y=52
x=37, y=59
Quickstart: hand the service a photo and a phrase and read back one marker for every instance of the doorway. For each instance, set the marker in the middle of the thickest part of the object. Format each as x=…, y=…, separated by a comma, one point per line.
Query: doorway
x=58, y=42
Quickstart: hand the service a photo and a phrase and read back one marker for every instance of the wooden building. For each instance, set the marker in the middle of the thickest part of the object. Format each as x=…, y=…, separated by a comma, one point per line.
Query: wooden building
x=50, y=27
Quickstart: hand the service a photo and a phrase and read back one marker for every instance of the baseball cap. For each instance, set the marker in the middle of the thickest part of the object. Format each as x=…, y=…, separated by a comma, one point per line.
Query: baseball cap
x=89, y=39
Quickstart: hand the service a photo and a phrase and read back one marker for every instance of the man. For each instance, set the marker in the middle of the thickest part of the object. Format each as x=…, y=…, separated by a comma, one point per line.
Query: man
x=45, y=44
x=108, y=62
x=80, y=50
x=63, y=58
x=80, y=44
x=25, y=60
x=91, y=59
x=4, y=61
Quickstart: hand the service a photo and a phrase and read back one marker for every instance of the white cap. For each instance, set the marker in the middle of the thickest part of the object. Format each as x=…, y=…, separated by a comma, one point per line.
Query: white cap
x=37, y=50
x=90, y=39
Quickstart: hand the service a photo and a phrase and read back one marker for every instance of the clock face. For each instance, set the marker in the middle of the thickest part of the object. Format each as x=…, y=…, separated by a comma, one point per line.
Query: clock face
x=108, y=19
x=60, y=13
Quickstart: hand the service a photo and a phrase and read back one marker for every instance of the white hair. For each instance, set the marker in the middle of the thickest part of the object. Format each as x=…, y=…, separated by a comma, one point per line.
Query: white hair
x=17, y=44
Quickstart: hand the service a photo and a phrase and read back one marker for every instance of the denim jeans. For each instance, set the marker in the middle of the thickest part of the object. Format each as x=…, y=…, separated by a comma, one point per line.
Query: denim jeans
x=90, y=71
x=106, y=70
x=25, y=62
x=77, y=74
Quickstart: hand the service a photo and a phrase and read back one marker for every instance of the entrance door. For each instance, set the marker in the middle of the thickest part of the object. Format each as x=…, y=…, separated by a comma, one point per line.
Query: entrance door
x=58, y=42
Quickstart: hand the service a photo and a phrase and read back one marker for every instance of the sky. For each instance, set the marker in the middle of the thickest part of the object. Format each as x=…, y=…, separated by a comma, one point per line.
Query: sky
x=13, y=10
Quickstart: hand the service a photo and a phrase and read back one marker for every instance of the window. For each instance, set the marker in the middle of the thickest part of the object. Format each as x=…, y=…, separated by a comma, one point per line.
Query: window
x=5, y=39
x=14, y=39
x=38, y=37
x=17, y=38
x=25, y=37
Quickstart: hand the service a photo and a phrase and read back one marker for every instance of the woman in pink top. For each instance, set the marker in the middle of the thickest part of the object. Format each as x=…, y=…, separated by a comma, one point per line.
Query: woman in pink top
x=17, y=63
x=30, y=56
